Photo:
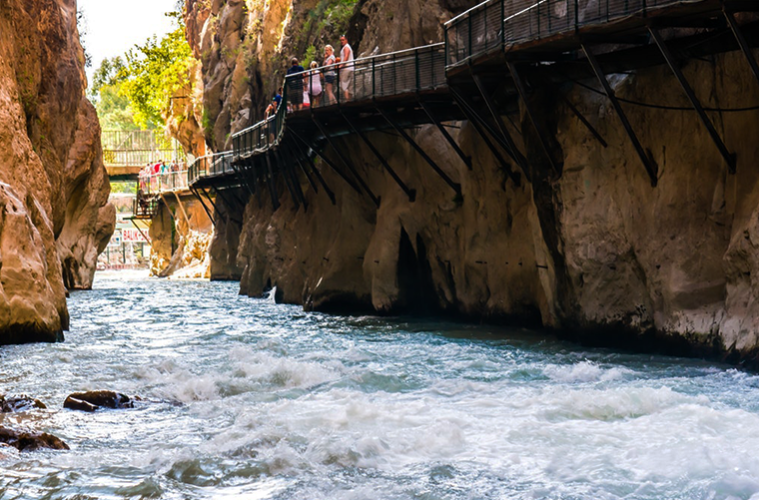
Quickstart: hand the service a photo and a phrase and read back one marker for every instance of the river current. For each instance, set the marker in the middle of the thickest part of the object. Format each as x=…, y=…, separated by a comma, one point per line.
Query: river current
x=248, y=399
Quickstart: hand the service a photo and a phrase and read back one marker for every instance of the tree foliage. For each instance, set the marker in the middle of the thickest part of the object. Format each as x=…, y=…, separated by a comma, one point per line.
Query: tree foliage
x=154, y=72
x=113, y=106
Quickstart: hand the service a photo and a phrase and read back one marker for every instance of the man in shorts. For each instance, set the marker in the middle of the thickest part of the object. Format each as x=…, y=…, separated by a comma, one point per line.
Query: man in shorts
x=295, y=85
x=346, y=68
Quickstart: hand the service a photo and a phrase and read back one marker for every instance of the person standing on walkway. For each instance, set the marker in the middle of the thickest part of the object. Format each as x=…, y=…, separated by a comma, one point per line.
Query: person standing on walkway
x=346, y=68
x=329, y=74
x=295, y=85
x=314, y=84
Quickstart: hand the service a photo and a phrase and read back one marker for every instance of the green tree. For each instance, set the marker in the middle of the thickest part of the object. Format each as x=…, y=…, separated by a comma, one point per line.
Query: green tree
x=154, y=72
x=113, y=106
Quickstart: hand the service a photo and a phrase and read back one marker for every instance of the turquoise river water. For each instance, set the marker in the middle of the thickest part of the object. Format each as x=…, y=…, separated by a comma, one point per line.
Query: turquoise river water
x=248, y=399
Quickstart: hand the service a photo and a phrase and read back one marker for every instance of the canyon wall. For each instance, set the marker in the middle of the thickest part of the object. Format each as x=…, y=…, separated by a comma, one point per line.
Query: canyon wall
x=597, y=253
x=53, y=185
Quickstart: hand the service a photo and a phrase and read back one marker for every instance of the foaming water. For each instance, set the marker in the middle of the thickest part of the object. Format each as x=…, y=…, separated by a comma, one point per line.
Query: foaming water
x=248, y=399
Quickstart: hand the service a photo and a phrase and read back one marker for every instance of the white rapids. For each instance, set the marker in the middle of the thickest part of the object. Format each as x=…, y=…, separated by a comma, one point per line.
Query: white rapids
x=248, y=399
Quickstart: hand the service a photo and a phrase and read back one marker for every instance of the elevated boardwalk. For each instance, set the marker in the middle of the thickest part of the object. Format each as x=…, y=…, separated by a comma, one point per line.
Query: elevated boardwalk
x=126, y=152
x=494, y=56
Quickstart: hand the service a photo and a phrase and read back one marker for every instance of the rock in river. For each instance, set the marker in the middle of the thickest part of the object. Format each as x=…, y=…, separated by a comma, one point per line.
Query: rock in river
x=94, y=400
x=30, y=441
x=11, y=404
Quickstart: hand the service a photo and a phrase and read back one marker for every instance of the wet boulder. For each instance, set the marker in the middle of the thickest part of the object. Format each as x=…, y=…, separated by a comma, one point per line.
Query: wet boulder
x=12, y=404
x=94, y=400
x=30, y=441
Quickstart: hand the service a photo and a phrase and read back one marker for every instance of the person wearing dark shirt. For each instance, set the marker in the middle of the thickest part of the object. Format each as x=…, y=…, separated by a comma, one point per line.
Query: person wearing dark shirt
x=295, y=85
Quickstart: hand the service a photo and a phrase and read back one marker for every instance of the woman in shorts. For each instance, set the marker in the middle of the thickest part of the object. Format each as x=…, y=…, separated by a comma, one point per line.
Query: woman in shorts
x=330, y=75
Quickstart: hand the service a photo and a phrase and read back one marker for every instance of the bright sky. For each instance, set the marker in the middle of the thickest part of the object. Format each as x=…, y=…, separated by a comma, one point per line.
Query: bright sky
x=114, y=26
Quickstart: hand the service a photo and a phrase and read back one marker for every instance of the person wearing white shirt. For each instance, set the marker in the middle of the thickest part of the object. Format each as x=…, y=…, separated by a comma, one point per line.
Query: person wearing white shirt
x=346, y=70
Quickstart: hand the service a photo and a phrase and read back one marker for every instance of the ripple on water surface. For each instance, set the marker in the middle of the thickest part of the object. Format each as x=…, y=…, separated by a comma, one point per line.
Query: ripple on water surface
x=245, y=398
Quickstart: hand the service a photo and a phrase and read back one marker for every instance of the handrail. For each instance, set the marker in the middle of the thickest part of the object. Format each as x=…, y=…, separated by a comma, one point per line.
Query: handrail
x=408, y=70
x=496, y=25
x=209, y=166
x=466, y=12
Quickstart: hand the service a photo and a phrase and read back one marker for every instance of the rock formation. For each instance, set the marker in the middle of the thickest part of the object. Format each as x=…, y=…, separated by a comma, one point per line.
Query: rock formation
x=596, y=253
x=53, y=186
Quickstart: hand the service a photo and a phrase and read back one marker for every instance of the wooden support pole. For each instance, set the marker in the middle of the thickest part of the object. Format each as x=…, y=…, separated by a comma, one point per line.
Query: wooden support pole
x=649, y=165
x=729, y=157
x=478, y=126
x=745, y=48
x=511, y=145
x=466, y=159
x=270, y=182
x=456, y=187
x=411, y=193
x=347, y=163
x=542, y=133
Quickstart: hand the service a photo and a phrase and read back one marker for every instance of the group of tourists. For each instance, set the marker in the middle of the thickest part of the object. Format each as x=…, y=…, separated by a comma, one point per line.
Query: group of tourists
x=318, y=83
x=149, y=173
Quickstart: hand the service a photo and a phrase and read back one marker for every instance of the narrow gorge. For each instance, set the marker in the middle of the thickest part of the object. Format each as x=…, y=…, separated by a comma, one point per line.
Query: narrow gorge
x=595, y=253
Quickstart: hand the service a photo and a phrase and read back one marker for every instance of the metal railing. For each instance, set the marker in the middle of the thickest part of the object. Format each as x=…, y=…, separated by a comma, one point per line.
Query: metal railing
x=210, y=166
x=138, y=147
x=397, y=73
x=500, y=24
x=144, y=207
x=166, y=182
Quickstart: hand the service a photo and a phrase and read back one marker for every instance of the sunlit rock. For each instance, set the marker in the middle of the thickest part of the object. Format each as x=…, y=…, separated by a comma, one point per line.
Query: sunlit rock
x=95, y=400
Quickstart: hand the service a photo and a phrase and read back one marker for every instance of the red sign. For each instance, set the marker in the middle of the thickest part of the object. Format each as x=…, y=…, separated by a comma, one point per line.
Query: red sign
x=129, y=234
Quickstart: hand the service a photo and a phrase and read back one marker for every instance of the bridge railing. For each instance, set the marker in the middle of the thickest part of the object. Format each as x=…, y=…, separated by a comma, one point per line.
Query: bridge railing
x=166, y=182
x=499, y=24
x=210, y=166
x=404, y=72
x=138, y=147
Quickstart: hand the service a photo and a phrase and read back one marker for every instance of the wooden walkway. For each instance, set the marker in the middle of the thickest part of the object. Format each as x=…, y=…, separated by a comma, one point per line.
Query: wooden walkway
x=494, y=55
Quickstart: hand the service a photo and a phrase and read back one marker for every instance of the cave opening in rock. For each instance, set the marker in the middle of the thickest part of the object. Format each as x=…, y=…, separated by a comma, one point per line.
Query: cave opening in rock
x=416, y=289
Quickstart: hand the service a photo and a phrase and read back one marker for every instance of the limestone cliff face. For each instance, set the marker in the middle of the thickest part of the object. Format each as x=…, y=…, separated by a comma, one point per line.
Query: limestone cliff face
x=53, y=186
x=596, y=252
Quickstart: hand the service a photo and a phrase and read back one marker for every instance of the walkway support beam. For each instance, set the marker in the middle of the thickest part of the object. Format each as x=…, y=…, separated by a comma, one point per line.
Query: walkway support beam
x=729, y=157
x=466, y=159
x=649, y=165
x=582, y=118
x=745, y=48
x=194, y=191
x=270, y=182
x=542, y=133
x=329, y=162
x=315, y=170
x=479, y=127
x=411, y=193
x=512, y=147
x=456, y=187
x=347, y=163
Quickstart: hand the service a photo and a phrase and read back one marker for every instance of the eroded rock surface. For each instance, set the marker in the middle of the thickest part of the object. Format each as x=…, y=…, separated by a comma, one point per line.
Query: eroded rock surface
x=596, y=251
x=53, y=186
